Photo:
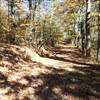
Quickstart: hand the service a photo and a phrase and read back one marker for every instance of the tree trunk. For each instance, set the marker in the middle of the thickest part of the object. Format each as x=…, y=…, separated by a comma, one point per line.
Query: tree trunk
x=87, y=26
x=98, y=47
x=82, y=39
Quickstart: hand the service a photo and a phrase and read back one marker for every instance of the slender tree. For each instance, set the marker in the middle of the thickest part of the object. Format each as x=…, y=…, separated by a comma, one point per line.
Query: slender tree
x=87, y=30
x=98, y=47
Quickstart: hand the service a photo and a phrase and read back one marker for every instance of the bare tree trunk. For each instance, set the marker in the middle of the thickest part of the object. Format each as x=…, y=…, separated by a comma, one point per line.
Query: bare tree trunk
x=87, y=36
x=82, y=39
x=10, y=36
x=98, y=47
x=8, y=20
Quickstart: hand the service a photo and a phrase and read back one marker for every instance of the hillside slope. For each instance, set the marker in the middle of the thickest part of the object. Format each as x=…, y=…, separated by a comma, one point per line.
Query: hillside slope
x=24, y=75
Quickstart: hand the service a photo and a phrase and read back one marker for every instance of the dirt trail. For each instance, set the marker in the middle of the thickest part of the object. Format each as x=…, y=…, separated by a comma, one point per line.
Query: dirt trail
x=24, y=75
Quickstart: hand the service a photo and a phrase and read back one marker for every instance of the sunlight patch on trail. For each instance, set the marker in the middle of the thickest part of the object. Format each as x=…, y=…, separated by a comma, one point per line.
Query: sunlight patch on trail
x=49, y=62
x=45, y=61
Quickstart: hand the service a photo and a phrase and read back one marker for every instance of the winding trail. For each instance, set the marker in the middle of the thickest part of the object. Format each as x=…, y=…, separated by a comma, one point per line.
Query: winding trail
x=64, y=75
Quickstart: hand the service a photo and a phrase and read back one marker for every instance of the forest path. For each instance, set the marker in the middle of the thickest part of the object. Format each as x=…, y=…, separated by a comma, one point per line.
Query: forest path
x=69, y=54
x=24, y=75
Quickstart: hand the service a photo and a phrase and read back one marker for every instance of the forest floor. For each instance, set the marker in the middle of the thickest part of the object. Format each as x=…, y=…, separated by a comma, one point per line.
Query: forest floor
x=64, y=75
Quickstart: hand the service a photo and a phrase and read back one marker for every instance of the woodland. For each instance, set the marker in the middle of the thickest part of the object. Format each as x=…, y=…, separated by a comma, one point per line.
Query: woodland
x=49, y=49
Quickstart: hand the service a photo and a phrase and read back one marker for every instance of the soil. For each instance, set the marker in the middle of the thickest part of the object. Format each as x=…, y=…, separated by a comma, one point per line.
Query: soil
x=63, y=75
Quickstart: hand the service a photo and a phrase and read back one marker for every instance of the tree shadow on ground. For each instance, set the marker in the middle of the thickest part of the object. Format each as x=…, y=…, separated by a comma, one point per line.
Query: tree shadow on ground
x=12, y=54
x=68, y=54
x=11, y=87
x=69, y=51
x=82, y=84
x=72, y=61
